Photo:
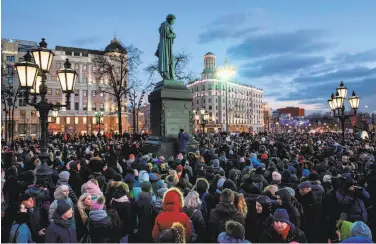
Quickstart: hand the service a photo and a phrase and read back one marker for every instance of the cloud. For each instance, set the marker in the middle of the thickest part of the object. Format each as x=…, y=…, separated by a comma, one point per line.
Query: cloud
x=84, y=41
x=297, y=42
x=280, y=65
x=365, y=56
x=343, y=74
x=234, y=25
x=224, y=33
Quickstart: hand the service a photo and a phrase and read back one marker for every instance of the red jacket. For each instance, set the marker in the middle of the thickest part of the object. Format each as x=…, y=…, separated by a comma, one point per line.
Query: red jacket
x=172, y=206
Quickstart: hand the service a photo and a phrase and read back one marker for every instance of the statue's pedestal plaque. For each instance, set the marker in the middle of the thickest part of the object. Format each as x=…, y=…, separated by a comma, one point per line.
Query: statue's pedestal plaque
x=170, y=106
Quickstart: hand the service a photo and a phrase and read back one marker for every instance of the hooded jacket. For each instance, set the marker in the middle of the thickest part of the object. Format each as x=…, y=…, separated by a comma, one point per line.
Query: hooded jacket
x=60, y=230
x=173, y=202
x=359, y=233
x=220, y=215
x=59, y=195
x=142, y=176
x=293, y=212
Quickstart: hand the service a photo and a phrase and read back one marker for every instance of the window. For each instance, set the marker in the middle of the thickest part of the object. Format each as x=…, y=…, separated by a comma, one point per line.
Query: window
x=93, y=106
x=76, y=92
x=22, y=114
x=10, y=80
x=21, y=59
x=94, y=120
x=10, y=59
x=84, y=120
x=210, y=107
x=84, y=93
x=93, y=93
x=101, y=94
x=9, y=70
x=58, y=65
x=94, y=68
x=85, y=79
x=57, y=120
x=76, y=106
x=101, y=107
x=76, y=66
x=49, y=91
x=84, y=67
x=22, y=49
x=76, y=120
x=67, y=120
x=84, y=106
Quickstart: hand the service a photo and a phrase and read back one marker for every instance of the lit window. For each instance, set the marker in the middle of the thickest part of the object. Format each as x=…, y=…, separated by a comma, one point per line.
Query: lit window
x=84, y=67
x=57, y=92
x=84, y=120
x=57, y=120
x=49, y=91
x=93, y=107
x=93, y=93
x=94, y=121
x=101, y=94
x=68, y=120
x=76, y=120
x=84, y=93
x=94, y=68
x=76, y=66
x=102, y=107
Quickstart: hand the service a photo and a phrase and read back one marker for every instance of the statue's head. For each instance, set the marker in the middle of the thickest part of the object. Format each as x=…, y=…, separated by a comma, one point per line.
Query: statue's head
x=171, y=19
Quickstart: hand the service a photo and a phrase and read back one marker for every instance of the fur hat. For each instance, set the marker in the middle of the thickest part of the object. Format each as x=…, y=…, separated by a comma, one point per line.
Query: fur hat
x=276, y=176
x=327, y=179
x=235, y=230
x=98, y=204
x=176, y=234
x=202, y=185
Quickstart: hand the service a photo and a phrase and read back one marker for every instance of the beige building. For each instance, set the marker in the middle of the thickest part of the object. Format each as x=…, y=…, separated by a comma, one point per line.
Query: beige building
x=244, y=102
x=86, y=100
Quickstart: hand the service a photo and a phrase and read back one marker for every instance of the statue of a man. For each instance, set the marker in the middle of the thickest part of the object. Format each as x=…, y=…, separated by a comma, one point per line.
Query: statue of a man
x=164, y=52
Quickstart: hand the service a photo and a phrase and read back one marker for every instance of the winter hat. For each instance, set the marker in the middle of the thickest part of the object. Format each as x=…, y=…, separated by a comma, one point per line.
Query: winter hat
x=62, y=207
x=345, y=229
x=327, y=179
x=215, y=163
x=281, y=215
x=202, y=185
x=276, y=176
x=161, y=192
x=229, y=184
x=98, y=204
x=143, y=176
x=305, y=173
x=64, y=176
x=231, y=152
x=153, y=177
x=146, y=186
x=286, y=176
x=121, y=191
x=58, y=194
x=155, y=170
x=129, y=178
x=313, y=177
x=304, y=184
x=73, y=165
x=176, y=234
x=161, y=158
x=359, y=228
x=220, y=183
x=292, y=169
x=235, y=230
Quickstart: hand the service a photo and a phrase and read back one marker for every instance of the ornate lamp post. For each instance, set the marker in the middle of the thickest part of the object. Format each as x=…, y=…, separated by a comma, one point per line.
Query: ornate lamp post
x=99, y=119
x=337, y=105
x=29, y=80
x=225, y=73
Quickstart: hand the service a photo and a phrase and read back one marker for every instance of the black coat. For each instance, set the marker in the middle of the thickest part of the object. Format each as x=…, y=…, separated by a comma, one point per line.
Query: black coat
x=146, y=216
x=222, y=213
x=258, y=224
x=100, y=230
x=195, y=215
x=312, y=211
x=75, y=181
x=270, y=235
x=124, y=210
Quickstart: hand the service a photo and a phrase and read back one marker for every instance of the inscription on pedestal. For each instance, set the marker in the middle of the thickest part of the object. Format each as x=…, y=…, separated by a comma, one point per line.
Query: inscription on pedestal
x=175, y=120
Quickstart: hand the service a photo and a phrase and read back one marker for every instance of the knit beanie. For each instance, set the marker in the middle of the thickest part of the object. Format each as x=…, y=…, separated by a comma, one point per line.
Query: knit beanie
x=276, y=176
x=62, y=207
x=98, y=204
x=64, y=176
x=129, y=178
x=146, y=186
x=281, y=215
x=305, y=173
x=229, y=184
x=235, y=230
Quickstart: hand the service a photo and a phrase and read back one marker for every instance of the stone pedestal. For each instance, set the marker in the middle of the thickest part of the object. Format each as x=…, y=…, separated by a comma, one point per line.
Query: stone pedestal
x=170, y=108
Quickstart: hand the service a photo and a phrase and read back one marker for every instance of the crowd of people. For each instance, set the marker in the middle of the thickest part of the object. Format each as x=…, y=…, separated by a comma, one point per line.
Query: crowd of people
x=236, y=188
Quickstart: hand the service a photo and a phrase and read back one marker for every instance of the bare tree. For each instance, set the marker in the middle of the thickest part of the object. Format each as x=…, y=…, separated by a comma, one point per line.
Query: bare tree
x=182, y=72
x=119, y=69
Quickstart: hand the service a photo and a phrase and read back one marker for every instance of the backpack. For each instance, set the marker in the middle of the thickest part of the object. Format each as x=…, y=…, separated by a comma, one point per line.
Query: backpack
x=203, y=205
x=194, y=235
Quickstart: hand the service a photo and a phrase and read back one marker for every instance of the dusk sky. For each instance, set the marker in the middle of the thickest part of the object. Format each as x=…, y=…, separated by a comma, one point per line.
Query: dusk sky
x=297, y=51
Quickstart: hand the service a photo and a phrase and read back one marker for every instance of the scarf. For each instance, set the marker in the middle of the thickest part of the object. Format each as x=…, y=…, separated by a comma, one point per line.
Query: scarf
x=284, y=233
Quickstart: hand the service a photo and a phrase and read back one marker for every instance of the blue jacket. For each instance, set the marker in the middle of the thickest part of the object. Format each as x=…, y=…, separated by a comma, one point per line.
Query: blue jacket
x=183, y=139
x=359, y=233
x=357, y=239
x=224, y=238
x=58, y=232
x=23, y=236
x=355, y=207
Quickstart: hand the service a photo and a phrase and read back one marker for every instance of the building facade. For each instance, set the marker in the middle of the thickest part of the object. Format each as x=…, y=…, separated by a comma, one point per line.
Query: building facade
x=79, y=117
x=293, y=111
x=267, y=116
x=142, y=119
x=244, y=102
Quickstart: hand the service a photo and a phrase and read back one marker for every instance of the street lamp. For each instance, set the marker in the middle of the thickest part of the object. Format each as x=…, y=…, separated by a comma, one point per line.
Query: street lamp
x=27, y=75
x=204, y=121
x=337, y=105
x=99, y=119
x=225, y=73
